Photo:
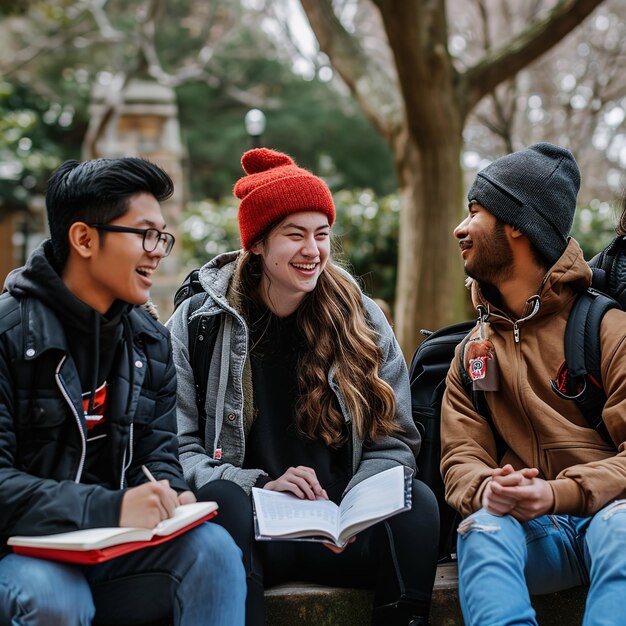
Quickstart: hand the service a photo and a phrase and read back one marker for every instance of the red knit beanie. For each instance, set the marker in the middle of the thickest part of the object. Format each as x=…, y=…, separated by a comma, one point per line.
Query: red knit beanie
x=274, y=188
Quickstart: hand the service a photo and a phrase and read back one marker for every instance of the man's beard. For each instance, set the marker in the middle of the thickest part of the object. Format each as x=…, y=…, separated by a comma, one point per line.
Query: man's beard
x=492, y=258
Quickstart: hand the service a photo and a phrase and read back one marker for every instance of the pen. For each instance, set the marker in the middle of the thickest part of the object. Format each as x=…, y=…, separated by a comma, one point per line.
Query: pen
x=148, y=473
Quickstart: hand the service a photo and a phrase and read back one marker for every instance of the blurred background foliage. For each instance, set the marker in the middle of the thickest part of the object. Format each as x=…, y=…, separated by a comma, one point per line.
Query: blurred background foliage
x=49, y=97
x=222, y=59
x=44, y=114
x=36, y=135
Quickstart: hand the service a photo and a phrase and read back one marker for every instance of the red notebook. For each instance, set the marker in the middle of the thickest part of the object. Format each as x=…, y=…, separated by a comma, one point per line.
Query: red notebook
x=95, y=545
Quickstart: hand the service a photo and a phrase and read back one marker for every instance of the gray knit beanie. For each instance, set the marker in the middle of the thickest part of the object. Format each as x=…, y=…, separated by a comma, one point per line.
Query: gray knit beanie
x=533, y=190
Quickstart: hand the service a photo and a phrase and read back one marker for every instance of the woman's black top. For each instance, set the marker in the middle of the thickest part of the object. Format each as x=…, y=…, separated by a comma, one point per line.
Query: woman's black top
x=274, y=443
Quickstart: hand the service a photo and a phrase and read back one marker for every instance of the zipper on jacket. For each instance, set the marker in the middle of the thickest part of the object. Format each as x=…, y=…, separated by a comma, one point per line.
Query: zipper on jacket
x=228, y=310
x=64, y=393
x=519, y=381
x=242, y=420
x=535, y=301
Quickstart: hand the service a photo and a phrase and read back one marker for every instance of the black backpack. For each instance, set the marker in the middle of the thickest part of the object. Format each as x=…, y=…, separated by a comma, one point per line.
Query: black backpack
x=201, y=335
x=582, y=382
x=427, y=374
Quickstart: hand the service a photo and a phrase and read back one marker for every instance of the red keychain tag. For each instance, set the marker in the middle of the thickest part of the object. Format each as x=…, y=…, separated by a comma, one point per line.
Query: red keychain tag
x=482, y=366
x=478, y=368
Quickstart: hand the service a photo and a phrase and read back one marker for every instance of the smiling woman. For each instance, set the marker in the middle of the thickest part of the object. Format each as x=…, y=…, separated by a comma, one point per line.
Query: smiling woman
x=307, y=393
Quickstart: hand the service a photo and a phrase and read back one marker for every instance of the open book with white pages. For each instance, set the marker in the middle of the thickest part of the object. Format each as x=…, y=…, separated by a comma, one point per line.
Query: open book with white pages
x=279, y=515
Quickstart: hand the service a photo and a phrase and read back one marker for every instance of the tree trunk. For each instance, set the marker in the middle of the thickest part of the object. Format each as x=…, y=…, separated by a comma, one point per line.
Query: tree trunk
x=7, y=228
x=430, y=270
x=426, y=132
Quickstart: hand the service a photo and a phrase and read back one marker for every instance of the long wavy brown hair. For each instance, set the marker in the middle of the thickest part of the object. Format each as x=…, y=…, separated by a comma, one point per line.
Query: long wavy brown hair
x=337, y=336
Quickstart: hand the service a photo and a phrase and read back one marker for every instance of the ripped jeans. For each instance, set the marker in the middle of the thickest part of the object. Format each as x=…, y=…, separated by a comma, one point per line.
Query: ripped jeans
x=502, y=561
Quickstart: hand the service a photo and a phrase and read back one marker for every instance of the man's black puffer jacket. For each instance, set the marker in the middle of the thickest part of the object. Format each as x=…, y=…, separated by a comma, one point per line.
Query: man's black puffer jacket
x=43, y=431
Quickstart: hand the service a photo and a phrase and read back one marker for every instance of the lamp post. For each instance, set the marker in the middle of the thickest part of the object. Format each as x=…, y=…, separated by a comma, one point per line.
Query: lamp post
x=254, y=122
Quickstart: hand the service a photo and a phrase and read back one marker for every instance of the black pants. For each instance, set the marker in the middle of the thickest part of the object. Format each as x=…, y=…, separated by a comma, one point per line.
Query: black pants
x=397, y=557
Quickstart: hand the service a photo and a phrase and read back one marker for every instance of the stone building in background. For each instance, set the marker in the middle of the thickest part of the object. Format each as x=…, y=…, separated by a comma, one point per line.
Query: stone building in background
x=140, y=119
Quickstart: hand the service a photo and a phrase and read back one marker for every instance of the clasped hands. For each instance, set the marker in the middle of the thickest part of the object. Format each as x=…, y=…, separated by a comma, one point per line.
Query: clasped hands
x=519, y=493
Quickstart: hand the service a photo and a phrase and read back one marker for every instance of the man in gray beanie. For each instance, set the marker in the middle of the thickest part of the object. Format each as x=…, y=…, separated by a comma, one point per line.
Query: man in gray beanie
x=550, y=500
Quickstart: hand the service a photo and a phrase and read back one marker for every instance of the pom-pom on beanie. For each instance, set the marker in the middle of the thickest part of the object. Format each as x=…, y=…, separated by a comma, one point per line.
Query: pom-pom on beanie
x=273, y=188
x=533, y=190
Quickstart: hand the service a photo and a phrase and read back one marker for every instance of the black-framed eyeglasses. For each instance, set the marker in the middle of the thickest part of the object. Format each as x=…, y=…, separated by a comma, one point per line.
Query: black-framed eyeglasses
x=152, y=237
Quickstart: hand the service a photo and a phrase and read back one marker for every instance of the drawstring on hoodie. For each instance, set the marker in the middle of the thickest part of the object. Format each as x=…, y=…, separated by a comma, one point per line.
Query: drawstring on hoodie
x=483, y=313
x=128, y=340
x=95, y=370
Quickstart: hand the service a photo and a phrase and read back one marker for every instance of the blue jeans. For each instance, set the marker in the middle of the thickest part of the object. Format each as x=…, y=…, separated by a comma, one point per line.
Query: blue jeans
x=198, y=578
x=503, y=561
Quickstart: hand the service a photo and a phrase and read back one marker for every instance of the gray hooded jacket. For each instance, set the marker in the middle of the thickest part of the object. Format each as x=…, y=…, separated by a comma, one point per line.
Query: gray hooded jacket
x=229, y=392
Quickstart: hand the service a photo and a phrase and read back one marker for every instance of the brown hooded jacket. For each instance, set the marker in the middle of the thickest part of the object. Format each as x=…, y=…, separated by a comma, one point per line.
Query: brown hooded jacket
x=540, y=429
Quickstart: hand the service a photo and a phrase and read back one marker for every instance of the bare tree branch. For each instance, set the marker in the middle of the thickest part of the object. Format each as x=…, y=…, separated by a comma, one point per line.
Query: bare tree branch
x=503, y=100
x=103, y=32
x=97, y=123
x=198, y=70
x=33, y=50
x=370, y=83
x=522, y=50
x=96, y=8
x=289, y=38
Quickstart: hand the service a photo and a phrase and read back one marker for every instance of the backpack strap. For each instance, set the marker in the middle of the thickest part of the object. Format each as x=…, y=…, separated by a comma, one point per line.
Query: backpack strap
x=582, y=357
x=201, y=337
x=190, y=286
x=616, y=274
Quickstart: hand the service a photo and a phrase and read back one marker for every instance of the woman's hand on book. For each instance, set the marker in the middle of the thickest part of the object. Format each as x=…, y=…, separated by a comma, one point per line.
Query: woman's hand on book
x=301, y=481
x=145, y=506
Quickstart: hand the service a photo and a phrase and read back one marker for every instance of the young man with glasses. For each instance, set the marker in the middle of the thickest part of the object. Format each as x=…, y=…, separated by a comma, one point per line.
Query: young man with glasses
x=87, y=397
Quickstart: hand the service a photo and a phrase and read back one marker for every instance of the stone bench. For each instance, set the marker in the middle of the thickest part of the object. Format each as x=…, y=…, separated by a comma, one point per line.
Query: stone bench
x=304, y=604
